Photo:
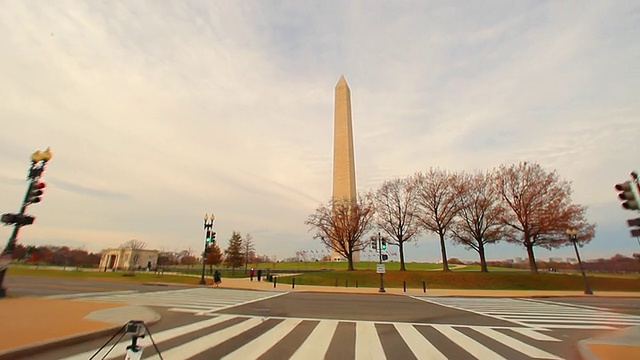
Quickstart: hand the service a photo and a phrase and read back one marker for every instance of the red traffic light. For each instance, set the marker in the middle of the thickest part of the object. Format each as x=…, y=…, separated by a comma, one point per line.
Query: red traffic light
x=626, y=194
x=625, y=186
x=35, y=192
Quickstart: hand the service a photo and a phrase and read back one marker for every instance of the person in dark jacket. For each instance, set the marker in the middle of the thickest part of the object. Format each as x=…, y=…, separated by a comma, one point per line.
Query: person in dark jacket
x=216, y=278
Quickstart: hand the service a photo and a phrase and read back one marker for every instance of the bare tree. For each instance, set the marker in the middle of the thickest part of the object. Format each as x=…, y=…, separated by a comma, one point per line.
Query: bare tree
x=396, y=212
x=436, y=199
x=539, y=209
x=249, y=250
x=341, y=225
x=134, y=246
x=479, y=220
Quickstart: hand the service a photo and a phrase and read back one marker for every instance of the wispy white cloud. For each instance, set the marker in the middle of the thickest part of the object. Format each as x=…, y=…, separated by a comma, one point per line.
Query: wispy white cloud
x=160, y=112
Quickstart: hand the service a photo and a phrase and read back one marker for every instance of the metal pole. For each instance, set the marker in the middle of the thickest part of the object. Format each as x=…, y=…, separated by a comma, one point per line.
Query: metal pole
x=587, y=289
x=34, y=175
x=207, y=226
x=380, y=259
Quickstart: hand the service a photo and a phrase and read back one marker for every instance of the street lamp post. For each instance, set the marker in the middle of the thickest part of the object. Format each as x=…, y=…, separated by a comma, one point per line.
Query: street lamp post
x=39, y=160
x=573, y=235
x=208, y=225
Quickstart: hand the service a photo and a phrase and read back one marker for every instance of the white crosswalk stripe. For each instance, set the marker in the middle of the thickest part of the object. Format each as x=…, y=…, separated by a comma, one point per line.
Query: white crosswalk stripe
x=199, y=301
x=223, y=336
x=318, y=342
x=538, y=314
x=419, y=345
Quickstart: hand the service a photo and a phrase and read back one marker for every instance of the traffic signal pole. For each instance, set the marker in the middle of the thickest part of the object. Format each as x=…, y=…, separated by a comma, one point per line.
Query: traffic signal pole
x=38, y=162
x=207, y=239
x=629, y=193
x=378, y=241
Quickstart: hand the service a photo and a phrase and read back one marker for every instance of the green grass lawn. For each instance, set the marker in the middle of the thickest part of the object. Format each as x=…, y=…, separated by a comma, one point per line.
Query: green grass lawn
x=189, y=277
x=342, y=265
x=465, y=278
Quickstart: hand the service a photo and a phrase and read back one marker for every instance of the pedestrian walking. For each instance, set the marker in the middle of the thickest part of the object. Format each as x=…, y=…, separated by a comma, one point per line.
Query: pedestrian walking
x=216, y=278
x=259, y=274
x=251, y=272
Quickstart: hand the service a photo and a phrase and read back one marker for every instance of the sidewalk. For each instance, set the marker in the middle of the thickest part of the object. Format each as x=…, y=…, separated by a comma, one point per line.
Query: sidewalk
x=30, y=324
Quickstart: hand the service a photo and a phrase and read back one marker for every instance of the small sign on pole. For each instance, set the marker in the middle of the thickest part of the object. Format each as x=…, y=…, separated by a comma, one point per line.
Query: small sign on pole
x=380, y=269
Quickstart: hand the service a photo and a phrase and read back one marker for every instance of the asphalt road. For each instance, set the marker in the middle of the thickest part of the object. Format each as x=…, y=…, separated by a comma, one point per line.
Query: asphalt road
x=390, y=320
x=343, y=326
x=49, y=286
x=617, y=304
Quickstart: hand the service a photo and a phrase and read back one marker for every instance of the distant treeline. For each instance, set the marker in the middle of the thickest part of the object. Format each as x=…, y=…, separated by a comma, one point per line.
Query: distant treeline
x=66, y=256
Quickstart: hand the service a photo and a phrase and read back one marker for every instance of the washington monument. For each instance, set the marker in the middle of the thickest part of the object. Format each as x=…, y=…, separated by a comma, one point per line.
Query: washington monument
x=344, y=173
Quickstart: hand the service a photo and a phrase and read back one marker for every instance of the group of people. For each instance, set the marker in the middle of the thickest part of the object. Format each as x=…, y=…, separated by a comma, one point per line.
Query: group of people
x=217, y=279
x=252, y=273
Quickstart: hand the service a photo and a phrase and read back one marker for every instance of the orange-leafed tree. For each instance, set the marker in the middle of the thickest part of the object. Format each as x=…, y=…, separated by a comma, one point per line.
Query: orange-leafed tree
x=214, y=256
x=341, y=225
x=437, y=205
x=539, y=209
x=397, y=213
x=480, y=214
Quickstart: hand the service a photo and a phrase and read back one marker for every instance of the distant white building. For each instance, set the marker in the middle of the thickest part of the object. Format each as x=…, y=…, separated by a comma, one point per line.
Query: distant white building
x=555, y=259
x=518, y=260
x=572, y=260
x=128, y=259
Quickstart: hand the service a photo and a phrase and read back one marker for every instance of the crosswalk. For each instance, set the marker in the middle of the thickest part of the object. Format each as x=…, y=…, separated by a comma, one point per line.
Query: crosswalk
x=199, y=301
x=248, y=337
x=539, y=313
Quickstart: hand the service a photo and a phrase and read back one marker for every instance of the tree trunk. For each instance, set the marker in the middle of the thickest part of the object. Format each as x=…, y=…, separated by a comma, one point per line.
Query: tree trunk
x=350, y=260
x=401, y=247
x=483, y=259
x=532, y=259
x=445, y=263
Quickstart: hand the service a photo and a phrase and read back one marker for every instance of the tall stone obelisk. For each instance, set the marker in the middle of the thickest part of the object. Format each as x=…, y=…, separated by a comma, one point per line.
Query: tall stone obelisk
x=344, y=173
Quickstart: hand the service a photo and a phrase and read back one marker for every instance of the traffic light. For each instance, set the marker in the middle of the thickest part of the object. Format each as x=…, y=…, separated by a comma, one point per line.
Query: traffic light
x=385, y=257
x=374, y=244
x=627, y=195
x=35, y=192
x=384, y=245
x=213, y=237
x=208, y=238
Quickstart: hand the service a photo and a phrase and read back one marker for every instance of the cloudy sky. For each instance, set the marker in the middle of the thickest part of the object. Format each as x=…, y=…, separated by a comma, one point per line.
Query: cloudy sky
x=158, y=112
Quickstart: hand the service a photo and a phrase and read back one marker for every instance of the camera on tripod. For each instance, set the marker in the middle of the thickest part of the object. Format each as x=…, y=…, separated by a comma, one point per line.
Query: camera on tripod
x=135, y=328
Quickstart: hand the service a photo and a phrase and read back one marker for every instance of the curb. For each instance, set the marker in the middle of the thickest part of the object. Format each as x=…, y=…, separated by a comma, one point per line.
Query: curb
x=28, y=350
x=585, y=352
x=32, y=349
x=623, y=337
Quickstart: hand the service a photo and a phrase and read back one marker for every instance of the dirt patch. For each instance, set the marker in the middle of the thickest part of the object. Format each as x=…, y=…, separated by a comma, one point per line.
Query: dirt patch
x=31, y=320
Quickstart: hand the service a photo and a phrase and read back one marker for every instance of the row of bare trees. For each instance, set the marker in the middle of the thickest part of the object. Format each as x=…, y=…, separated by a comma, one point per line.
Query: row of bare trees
x=520, y=203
